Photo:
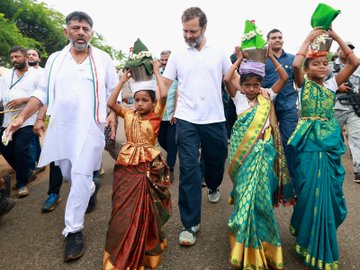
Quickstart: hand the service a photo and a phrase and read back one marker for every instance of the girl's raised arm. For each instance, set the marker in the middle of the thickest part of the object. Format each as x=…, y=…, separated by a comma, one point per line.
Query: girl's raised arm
x=301, y=55
x=283, y=77
x=112, y=101
x=162, y=88
x=353, y=61
x=232, y=77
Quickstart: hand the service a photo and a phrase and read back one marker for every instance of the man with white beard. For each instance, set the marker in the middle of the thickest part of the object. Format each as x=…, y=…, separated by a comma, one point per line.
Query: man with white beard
x=77, y=82
x=200, y=118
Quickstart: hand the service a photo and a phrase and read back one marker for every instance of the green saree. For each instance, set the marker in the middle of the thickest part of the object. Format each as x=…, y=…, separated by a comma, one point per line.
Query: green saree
x=320, y=206
x=254, y=236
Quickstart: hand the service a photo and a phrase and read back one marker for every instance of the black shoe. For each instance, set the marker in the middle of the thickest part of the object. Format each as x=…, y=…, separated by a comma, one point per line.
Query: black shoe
x=7, y=180
x=74, y=246
x=32, y=176
x=92, y=201
x=357, y=177
x=6, y=204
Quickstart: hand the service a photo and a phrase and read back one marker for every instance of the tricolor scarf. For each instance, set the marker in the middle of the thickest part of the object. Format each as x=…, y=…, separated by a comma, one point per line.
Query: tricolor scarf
x=98, y=75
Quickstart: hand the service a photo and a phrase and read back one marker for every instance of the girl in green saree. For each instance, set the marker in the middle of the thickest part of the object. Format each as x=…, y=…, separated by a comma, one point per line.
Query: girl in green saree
x=257, y=169
x=320, y=206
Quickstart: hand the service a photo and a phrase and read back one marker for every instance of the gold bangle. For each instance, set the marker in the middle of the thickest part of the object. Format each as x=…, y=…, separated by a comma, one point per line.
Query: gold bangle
x=279, y=66
x=301, y=54
x=39, y=119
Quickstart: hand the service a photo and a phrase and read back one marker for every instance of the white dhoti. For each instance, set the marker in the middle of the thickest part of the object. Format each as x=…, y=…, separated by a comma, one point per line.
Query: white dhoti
x=77, y=101
x=82, y=187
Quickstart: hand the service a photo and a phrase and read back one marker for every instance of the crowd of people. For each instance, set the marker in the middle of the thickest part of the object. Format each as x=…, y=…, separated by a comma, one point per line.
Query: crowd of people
x=285, y=141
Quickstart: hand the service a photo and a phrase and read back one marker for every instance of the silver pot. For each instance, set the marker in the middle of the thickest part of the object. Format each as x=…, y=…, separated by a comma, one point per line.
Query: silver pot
x=322, y=46
x=139, y=73
x=258, y=55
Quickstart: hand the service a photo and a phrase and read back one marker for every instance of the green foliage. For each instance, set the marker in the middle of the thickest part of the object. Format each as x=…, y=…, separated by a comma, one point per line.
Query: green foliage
x=29, y=23
x=37, y=21
x=10, y=36
x=99, y=42
x=330, y=55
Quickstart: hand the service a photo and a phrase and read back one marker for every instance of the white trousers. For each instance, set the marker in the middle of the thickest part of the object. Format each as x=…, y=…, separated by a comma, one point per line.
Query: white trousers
x=352, y=123
x=82, y=187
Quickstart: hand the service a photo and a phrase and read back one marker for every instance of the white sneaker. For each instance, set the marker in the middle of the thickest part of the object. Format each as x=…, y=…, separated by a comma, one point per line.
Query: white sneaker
x=22, y=192
x=214, y=196
x=188, y=236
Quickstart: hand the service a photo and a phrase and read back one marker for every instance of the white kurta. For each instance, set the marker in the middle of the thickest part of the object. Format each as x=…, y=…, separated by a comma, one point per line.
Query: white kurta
x=72, y=134
x=13, y=87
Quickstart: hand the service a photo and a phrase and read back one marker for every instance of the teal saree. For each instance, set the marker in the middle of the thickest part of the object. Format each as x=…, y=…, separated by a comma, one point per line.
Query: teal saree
x=320, y=206
x=254, y=236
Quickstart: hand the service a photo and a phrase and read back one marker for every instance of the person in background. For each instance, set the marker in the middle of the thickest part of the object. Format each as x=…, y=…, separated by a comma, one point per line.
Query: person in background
x=16, y=87
x=347, y=106
x=33, y=56
x=167, y=131
x=286, y=100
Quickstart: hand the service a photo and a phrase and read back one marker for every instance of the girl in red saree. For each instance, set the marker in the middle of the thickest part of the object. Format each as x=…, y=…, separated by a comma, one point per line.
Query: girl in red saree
x=141, y=202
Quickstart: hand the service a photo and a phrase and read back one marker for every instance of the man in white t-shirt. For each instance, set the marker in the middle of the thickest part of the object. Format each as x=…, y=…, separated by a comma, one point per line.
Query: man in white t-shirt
x=200, y=118
x=33, y=59
x=16, y=88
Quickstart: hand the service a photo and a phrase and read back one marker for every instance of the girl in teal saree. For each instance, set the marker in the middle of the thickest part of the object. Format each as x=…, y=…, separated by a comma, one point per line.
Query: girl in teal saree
x=320, y=206
x=257, y=164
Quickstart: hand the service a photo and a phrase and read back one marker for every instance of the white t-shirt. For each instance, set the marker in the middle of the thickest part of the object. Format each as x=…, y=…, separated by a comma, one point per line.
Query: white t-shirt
x=241, y=101
x=14, y=87
x=199, y=75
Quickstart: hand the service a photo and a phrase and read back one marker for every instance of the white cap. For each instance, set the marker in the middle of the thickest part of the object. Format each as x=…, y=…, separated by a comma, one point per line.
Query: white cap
x=143, y=85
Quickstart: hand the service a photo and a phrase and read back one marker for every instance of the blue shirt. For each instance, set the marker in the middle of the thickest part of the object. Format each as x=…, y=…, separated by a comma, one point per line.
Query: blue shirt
x=170, y=100
x=286, y=99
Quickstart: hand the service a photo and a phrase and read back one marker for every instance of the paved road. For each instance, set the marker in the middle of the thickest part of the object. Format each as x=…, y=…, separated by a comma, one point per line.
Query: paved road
x=32, y=240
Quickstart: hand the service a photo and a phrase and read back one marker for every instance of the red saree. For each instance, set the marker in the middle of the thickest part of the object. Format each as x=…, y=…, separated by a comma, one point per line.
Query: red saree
x=141, y=202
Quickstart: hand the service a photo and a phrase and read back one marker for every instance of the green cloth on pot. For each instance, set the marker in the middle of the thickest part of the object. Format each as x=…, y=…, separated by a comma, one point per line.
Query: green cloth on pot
x=146, y=61
x=323, y=16
x=257, y=41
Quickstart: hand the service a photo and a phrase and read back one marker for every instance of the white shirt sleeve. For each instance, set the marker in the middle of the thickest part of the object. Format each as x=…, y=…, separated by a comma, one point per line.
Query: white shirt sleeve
x=240, y=102
x=226, y=63
x=170, y=71
x=41, y=91
x=331, y=84
x=112, y=78
x=271, y=93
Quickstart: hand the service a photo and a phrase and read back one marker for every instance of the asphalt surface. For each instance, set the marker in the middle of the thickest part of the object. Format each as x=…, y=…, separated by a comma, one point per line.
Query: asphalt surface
x=32, y=240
